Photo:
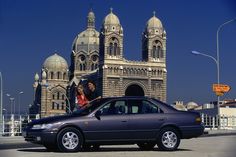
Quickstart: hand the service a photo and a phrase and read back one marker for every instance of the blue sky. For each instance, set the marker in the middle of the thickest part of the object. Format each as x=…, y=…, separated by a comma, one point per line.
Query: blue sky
x=30, y=31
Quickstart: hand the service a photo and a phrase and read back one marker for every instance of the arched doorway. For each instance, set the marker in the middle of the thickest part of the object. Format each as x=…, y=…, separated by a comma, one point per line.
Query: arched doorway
x=134, y=90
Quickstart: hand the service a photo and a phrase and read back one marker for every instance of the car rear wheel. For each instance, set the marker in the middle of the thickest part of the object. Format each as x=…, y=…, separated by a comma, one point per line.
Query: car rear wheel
x=70, y=140
x=146, y=145
x=168, y=139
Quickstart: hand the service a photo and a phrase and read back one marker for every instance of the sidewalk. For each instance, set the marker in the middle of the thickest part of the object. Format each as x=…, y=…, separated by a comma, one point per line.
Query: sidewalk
x=208, y=133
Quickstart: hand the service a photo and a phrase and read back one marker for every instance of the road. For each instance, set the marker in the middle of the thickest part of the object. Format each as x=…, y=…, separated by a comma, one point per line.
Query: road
x=216, y=146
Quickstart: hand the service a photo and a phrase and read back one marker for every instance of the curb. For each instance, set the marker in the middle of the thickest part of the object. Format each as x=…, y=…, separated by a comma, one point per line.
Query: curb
x=215, y=133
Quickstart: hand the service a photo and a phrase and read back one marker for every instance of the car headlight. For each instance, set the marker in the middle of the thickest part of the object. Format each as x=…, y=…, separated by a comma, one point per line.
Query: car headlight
x=41, y=126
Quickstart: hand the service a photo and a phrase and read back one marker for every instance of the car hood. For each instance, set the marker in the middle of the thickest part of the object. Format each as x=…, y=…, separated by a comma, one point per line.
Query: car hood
x=50, y=119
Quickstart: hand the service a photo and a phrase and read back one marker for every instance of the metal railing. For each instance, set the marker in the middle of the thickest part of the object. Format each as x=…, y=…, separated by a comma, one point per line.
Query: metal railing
x=13, y=124
x=226, y=122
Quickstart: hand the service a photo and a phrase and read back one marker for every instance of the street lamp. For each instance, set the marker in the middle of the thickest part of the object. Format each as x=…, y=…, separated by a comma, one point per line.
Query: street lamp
x=19, y=101
x=5, y=110
x=11, y=101
x=217, y=61
x=8, y=95
x=12, y=107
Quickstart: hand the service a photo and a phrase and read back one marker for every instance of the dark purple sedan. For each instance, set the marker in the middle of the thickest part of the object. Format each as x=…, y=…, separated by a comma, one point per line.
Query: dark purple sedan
x=119, y=120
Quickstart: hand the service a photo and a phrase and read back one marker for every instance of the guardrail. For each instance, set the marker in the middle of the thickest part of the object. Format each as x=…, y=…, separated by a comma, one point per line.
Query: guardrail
x=13, y=124
x=226, y=122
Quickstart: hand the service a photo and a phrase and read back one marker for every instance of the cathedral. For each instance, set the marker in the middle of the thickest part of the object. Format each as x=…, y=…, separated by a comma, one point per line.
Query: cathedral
x=99, y=56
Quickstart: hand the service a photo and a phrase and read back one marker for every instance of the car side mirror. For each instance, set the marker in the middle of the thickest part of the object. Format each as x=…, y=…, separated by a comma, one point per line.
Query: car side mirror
x=98, y=114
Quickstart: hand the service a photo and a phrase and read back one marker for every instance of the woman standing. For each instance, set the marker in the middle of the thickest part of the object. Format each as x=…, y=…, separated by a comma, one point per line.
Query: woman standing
x=81, y=99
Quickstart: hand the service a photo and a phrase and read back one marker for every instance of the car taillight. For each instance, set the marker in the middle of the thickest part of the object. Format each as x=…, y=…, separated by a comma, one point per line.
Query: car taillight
x=198, y=120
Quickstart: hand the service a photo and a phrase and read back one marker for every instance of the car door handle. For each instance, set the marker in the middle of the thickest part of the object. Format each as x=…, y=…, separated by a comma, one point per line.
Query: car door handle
x=123, y=121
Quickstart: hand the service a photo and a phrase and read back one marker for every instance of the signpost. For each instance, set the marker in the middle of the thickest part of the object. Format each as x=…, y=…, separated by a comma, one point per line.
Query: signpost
x=220, y=89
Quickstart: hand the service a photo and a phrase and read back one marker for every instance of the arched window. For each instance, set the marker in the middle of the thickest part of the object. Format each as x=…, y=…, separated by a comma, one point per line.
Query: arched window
x=154, y=49
x=161, y=53
x=58, y=95
x=58, y=106
x=63, y=106
x=53, y=96
x=53, y=105
x=110, y=49
x=157, y=50
x=113, y=49
x=52, y=75
x=58, y=75
x=64, y=76
x=80, y=67
x=63, y=97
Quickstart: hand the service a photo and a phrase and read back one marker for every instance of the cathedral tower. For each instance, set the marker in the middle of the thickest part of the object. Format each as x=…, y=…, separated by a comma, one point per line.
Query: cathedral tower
x=154, y=41
x=84, y=56
x=111, y=38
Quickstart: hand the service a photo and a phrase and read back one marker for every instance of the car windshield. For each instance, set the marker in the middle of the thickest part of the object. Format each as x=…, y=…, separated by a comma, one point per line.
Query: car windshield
x=89, y=108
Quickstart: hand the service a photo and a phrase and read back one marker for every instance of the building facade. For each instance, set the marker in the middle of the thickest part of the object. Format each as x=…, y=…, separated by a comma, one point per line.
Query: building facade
x=99, y=56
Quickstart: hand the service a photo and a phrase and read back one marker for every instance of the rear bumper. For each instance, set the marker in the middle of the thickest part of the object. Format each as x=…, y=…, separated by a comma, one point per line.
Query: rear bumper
x=192, y=131
x=40, y=136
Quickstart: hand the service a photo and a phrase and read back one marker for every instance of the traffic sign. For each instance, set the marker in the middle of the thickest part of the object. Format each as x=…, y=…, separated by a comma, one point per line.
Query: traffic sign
x=220, y=89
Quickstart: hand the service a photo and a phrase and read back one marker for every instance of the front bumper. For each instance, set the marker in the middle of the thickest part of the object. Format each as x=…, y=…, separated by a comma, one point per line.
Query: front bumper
x=39, y=136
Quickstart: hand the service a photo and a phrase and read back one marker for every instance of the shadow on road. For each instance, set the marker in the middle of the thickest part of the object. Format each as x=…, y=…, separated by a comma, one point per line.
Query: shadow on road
x=17, y=146
x=103, y=149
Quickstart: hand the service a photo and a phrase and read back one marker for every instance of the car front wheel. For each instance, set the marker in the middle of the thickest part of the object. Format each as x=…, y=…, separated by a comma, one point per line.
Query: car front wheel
x=168, y=139
x=70, y=140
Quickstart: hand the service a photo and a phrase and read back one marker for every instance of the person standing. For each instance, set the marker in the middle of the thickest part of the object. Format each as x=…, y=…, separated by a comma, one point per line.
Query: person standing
x=81, y=99
x=93, y=93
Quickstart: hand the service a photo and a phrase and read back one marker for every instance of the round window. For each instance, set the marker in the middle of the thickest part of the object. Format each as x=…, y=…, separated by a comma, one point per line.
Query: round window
x=94, y=58
x=82, y=58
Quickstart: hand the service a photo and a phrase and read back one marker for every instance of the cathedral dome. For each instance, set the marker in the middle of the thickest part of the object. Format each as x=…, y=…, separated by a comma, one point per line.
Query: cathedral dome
x=111, y=19
x=89, y=36
x=55, y=63
x=154, y=22
x=191, y=105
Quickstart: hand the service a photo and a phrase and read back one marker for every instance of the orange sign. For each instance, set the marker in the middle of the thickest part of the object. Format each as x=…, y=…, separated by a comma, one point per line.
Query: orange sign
x=220, y=88
x=219, y=93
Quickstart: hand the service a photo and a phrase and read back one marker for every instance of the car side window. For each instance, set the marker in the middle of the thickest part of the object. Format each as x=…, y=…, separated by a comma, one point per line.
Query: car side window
x=115, y=108
x=134, y=106
x=143, y=107
x=148, y=107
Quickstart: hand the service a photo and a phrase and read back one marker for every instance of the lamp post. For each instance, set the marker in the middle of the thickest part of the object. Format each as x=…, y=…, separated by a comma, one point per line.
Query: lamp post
x=8, y=95
x=19, y=101
x=218, y=74
x=12, y=107
x=5, y=111
x=1, y=118
x=217, y=60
